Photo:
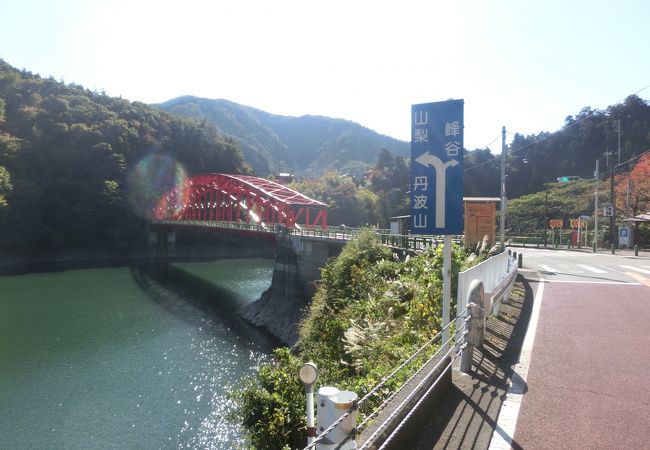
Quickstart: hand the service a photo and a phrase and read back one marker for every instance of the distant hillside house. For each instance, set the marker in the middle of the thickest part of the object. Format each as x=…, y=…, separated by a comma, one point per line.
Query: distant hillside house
x=284, y=178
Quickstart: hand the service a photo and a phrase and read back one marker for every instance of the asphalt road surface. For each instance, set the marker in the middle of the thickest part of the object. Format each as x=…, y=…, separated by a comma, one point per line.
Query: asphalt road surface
x=583, y=378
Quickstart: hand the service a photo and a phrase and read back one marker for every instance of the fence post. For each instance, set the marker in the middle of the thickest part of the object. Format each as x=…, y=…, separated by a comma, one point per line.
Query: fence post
x=475, y=327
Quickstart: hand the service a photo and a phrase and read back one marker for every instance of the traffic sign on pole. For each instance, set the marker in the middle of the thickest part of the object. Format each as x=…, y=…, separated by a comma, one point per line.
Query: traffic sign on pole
x=437, y=180
x=437, y=168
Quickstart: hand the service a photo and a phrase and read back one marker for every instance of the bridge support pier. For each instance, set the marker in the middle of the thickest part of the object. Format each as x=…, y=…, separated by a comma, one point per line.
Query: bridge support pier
x=161, y=243
x=298, y=261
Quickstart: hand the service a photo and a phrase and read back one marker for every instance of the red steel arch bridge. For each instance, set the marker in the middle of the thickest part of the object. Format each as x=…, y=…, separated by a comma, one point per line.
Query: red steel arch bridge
x=252, y=203
x=253, y=206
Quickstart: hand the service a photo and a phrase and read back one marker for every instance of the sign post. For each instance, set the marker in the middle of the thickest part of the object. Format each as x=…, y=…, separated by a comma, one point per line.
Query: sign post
x=555, y=224
x=437, y=180
x=624, y=237
x=584, y=218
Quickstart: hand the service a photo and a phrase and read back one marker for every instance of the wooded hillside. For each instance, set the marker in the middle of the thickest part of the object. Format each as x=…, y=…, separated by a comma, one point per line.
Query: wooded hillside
x=307, y=145
x=79, y=169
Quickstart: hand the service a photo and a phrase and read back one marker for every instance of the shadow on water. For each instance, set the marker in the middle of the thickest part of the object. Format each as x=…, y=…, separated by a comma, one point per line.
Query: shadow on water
x=198, y=301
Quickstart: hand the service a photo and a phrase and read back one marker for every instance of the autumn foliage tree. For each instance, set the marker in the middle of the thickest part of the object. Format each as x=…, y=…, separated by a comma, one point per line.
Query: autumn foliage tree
x=635, y=186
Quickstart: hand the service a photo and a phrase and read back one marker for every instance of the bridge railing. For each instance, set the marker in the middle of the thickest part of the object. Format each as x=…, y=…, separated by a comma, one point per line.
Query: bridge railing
x=246, y=226
x=407, y=241
x=342, y=233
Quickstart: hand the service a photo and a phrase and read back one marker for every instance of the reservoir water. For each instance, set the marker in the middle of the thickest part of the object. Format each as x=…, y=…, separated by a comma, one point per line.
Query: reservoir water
x=111, y=358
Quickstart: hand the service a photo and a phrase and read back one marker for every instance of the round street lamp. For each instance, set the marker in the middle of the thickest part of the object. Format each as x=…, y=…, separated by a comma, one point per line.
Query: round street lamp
x=308, y=375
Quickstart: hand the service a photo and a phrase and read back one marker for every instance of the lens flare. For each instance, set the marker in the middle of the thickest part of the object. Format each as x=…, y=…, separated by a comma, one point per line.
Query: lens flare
x=157, y=182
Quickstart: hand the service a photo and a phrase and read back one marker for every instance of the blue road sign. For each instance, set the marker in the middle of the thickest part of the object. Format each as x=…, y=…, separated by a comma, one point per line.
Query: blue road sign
x=437, y=168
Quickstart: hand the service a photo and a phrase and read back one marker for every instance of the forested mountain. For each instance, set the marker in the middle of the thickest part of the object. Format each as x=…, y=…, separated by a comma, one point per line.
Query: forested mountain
x=537, y=159
x=79, y=169
x=307, y=145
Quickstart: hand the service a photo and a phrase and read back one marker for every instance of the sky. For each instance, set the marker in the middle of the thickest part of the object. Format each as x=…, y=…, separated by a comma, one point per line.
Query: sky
x=525, y=65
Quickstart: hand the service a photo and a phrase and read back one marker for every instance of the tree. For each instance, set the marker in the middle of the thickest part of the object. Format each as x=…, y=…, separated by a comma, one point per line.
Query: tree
x=5, y=186
x=390, y=181
x=635, y=186
x=347, y=203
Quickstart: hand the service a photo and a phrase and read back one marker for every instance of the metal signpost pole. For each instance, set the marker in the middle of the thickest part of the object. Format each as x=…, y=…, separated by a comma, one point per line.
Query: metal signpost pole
x=437, y=180
x=502, y=217
x=596, y=174
x=446, y=285
x=613, y=235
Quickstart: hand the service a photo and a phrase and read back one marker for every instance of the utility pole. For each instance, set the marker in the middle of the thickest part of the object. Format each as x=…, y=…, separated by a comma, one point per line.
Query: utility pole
x=627, y=198
x=612, y=219
x=619, y=141
x=545, y=213
x=596, y=175
x=502, y=219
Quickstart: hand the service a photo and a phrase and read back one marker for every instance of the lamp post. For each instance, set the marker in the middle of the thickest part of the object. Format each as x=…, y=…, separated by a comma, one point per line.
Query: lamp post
x=308, y=375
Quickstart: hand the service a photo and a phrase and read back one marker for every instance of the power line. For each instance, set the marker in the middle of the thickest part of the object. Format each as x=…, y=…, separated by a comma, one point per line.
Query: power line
x=486, y=147
x=632, y=159
x=549, y=135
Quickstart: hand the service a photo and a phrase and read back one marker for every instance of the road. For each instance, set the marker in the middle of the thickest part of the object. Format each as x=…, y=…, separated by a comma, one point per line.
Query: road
x=586, y=267
x=582, y=377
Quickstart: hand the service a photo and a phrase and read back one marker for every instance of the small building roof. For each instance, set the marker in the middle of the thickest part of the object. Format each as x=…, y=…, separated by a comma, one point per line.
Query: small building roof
x=481, y=199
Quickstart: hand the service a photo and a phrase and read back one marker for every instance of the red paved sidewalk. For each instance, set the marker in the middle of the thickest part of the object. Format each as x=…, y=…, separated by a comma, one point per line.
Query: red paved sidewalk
x=588, y=385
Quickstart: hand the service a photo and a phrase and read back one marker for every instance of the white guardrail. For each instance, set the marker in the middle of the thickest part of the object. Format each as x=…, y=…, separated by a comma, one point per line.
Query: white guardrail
x=494, y=273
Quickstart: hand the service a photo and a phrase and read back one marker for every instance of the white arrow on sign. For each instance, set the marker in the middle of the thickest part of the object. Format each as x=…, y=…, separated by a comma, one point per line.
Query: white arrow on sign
x=427, y=159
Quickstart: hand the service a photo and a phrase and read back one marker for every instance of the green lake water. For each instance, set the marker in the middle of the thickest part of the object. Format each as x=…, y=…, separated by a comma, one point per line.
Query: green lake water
x=109, y=358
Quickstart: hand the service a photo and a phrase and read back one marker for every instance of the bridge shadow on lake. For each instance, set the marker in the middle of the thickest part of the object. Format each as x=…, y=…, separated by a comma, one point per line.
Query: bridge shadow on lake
x=198, y=301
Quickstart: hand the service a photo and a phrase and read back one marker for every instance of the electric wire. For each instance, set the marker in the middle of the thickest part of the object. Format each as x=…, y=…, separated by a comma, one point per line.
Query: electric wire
x=548, y=135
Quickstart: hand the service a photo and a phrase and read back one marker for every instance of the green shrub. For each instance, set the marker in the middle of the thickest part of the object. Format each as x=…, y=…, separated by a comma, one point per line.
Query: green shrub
x=370, y=313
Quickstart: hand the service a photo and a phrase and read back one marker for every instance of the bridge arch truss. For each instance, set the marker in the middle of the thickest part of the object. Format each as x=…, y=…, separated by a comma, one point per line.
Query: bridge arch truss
x=240, y=198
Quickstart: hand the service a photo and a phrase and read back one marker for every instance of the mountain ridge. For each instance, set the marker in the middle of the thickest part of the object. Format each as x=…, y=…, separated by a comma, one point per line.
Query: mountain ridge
x=307, y=144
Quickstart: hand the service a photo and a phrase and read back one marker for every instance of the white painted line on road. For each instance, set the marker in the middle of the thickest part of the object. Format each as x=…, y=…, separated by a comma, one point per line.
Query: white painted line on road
x=592, y=269
x=593, y=282
x=568, y=269
x=548, y=268
x=612, y=269
x=637, y=269
x=504, y=432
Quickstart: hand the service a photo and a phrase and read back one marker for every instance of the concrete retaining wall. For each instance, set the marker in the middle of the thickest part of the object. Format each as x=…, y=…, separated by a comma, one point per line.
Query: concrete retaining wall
x=298, y=261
